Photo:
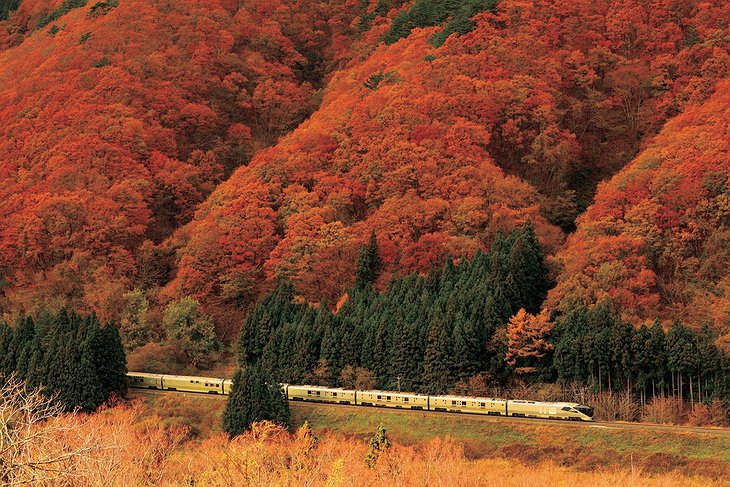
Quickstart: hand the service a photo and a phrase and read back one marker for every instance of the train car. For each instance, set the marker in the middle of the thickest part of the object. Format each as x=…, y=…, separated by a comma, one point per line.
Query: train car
x=320, y=394
x=400, y=400
x=143, y=380
x=549, y=410
x=184, y=383
x=478, y=405
x=227, y=385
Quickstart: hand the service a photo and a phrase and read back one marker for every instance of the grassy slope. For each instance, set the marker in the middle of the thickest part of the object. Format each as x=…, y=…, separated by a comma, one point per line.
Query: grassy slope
x=653, y=450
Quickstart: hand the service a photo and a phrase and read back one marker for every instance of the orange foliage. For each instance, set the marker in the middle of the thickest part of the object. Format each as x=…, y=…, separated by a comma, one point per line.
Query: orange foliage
x=527, y=338
x=422, y=144
x=135, y=452
x=116, y=132
x=113, y=129
x=656, y=240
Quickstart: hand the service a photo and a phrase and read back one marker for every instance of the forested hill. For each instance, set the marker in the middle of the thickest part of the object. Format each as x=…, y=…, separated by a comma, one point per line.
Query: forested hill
x=657, y=239
x=437, y=146
x=158, y=152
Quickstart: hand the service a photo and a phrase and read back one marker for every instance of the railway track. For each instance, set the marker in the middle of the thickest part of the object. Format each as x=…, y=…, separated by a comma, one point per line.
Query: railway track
x=477, y=417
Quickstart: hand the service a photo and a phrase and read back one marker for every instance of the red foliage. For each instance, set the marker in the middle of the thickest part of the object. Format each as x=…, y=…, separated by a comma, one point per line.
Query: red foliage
x=116, y=126
x=656, y=240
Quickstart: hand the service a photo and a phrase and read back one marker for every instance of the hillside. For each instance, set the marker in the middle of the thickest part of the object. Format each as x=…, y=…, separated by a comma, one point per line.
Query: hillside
x=437, y=149
x=657, y=239
x=118, y=118
x=127, y=129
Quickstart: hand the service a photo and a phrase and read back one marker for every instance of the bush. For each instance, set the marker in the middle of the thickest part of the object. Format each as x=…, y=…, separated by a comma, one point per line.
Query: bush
x=612, y=406
x=663, y=410
x=712, y=414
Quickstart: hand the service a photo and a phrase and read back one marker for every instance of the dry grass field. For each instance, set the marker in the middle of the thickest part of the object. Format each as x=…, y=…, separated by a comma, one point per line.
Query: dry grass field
x=576, y=450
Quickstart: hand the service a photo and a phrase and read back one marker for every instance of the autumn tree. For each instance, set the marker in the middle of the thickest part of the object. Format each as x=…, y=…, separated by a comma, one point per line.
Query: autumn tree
x=527, y=340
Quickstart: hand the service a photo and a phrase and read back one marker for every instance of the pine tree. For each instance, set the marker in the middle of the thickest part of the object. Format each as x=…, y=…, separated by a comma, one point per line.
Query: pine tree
x=110, y=360
x=528, y=273
x=709, y=362
x=254, y=397
x=467, y=348
x=438, y=359
x=657, y=358
x=681, y=355
x=368, y=262
x=87, y=386
x=7, y=354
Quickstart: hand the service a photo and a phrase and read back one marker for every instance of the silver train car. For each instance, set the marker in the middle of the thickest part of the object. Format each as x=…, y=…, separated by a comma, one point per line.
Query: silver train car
x=387, y=399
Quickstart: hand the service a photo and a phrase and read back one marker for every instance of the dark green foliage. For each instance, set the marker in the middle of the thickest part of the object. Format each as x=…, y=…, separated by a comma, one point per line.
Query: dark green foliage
x=456, y=14
x=100, y=63
x=381, y=10
x=429, y=333
x=255, y=396
x=368, y=262
x=66, y=355
x=84, y=38
x=102, y=8
x=595, y=347
x=7, y=6
x=423, y=334
x=379, y=444
x=377, y=79
x=62, y=10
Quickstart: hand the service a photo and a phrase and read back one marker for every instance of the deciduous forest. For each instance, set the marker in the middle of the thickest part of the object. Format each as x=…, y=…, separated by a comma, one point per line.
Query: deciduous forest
x=439, y=196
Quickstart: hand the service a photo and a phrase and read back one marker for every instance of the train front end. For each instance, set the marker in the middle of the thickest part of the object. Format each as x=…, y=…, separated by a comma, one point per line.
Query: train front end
x=585, y=413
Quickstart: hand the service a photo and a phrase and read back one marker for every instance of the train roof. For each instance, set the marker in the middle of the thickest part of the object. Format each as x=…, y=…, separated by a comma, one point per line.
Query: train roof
x=546, y=403
x=170, y=376
x=320, y=388
x=190, y=377
x=403, y=393
x=470, y=398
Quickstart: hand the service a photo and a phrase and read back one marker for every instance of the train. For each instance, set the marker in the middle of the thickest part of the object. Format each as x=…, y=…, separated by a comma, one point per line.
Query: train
x=387, y=399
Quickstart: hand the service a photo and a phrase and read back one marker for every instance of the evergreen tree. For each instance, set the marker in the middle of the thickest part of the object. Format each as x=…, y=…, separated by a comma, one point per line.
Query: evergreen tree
x=709, y=363
x=254, y=397
x=7, y=354
x=681, y=355
x=528, y=271
x=368, y=262
x=657, y=358
x=438, y=359
x=110, y=360
x=466, y=348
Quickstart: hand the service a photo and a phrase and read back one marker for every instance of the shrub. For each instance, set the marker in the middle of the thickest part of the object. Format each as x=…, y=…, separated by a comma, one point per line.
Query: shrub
x=664, y=410
x=712, y=414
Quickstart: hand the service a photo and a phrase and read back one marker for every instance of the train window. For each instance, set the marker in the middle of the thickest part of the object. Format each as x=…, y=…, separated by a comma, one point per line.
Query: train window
x=318, y=393
x=565, y=408
x=380, y=397
x=309, y=393
x=334, y=394
x=463, y=403
x=387, y=398
x=405, y=399
x=482, y=404
x=453, y=403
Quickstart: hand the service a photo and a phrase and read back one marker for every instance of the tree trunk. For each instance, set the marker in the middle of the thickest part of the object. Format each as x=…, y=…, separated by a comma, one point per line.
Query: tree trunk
x=691, y=392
